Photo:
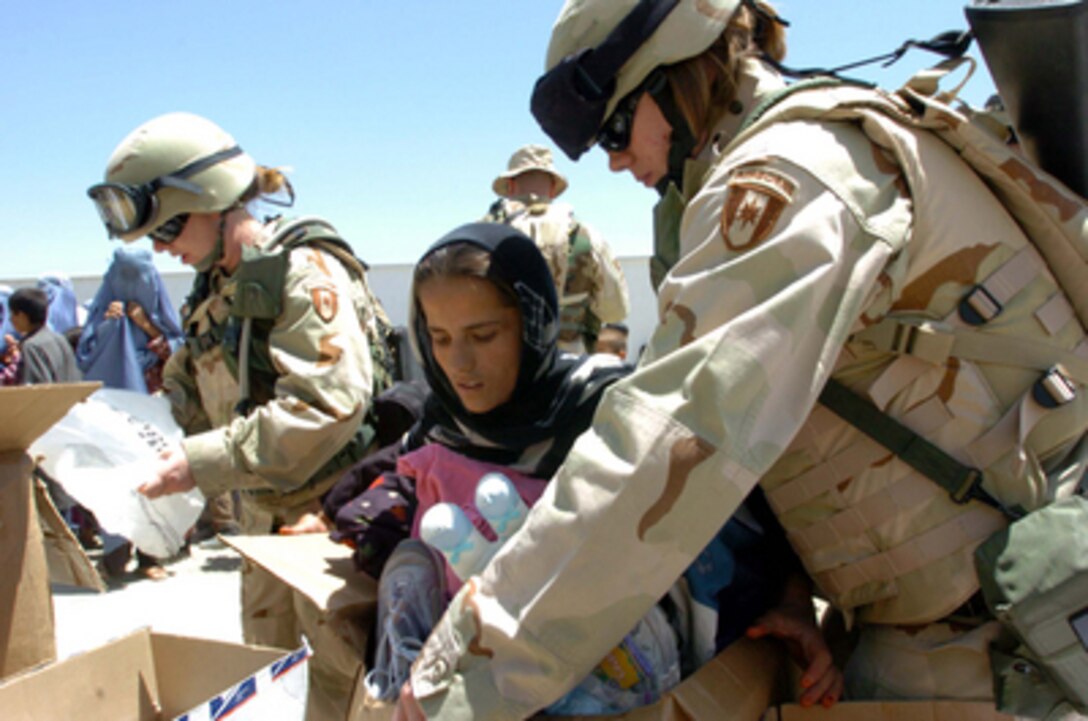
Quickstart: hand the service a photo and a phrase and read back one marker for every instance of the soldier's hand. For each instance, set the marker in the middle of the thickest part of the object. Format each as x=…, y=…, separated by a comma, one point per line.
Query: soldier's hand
x=172, y=475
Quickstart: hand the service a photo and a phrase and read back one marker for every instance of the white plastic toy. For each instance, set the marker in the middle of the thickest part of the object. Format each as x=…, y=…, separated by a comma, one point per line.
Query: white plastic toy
x=446, y=528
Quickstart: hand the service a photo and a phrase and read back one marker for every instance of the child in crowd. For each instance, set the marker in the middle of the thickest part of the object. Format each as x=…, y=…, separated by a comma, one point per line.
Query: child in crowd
x=484, y=322
x=45, y=356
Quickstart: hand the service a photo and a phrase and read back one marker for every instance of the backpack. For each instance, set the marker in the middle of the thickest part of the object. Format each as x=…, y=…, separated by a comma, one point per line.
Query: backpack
x=565, y=247
x=1034, y=573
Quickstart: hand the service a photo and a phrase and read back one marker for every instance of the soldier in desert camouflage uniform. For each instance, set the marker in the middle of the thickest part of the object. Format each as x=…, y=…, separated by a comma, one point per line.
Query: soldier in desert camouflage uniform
x=789, y=253
x=284, y=351
x=592, y=287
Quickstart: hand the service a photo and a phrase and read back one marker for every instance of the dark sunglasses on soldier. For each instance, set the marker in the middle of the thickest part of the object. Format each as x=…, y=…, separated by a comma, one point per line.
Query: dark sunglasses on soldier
x=169, y=231
x=615, y=134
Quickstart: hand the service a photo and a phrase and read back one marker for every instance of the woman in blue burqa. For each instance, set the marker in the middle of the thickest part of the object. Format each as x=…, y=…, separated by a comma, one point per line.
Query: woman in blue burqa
x=64, y=309
x=132, y=327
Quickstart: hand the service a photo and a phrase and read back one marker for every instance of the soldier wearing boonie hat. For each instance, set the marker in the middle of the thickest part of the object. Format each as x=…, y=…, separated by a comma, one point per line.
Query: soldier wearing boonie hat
x=592, y=287
x=790, y=251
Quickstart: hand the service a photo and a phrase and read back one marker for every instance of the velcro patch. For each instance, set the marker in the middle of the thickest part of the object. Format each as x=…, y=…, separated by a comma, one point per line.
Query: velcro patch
x=325, y=302
x=754, y=201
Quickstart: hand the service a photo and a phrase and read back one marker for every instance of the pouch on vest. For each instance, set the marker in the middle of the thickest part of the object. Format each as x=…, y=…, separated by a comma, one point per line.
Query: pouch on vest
x=1034, y=577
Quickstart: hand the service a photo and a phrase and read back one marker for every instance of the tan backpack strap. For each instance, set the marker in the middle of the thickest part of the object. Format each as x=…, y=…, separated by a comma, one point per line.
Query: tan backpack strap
x=927, y=82
x=987, y=299
x=1051, y=391
x=935, y=343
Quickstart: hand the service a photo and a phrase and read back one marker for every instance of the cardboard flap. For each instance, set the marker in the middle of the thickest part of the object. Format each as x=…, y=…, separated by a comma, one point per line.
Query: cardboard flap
x=116, y=681
x=26, y=412
x=191, y=670
x=26, y=607
x=68, y=562
x=313, y=565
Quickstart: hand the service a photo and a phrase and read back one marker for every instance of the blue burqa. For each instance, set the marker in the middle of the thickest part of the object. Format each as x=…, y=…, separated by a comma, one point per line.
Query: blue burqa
x=63, y=304
x=6, y=328
x=115, y=350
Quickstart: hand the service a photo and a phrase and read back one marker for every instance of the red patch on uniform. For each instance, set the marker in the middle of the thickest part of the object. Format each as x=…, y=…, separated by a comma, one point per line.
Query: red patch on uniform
x=754, y=201
x=325, y=303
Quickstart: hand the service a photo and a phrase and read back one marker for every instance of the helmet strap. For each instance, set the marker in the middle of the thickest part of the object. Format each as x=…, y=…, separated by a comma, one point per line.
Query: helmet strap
x=205, y=264
x=682, y=141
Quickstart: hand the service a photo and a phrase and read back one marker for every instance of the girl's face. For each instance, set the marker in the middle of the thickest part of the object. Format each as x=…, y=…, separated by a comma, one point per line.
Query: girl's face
x=475, y=337
x=195, y=242
x=647, y=154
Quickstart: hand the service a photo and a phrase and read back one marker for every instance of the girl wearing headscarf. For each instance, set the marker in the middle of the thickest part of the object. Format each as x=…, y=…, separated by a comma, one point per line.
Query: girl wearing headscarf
x=484, y=324
x=526, y=427
x=132, y=327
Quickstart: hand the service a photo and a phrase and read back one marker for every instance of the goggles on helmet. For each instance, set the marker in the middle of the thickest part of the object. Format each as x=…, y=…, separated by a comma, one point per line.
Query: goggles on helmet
x=124, y=208
x=570, y=99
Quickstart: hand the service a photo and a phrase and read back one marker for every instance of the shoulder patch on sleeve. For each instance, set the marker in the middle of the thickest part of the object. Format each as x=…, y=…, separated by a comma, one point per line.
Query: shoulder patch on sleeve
x=754, y=201
x=325, y=301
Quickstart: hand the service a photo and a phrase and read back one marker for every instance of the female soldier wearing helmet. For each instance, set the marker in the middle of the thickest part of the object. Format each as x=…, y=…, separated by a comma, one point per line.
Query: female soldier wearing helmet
x=283, y=352
x=778, y=245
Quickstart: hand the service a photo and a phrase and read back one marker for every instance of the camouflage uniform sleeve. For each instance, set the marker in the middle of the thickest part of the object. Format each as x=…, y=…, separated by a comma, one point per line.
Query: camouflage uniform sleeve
x=609, y=302
x=180, y=388
x=322, y=355
x=775, y=269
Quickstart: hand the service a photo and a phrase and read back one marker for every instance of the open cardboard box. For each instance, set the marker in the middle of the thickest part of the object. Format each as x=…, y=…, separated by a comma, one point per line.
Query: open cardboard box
x=26, y=606
x=340, y=605
x=148, y=676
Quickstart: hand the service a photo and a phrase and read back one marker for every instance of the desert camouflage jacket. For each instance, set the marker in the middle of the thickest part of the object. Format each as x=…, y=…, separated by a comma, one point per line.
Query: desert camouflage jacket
x=307, y=407
x=795, y=241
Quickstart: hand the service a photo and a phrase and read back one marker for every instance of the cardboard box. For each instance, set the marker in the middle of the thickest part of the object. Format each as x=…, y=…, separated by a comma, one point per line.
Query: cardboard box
x=738, y=684
x=149, y=676
x=891, y=711
x=26, y=606
x=335, y=606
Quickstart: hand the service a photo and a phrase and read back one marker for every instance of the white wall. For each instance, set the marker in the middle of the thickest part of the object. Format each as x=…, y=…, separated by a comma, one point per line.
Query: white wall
x=390, y=284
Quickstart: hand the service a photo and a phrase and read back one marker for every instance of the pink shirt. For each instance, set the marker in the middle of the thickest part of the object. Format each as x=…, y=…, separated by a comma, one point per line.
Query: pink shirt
x=445, y=476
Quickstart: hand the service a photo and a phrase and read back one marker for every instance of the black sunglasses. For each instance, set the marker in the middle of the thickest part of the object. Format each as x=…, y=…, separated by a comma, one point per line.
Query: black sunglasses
x=169, y=231
x=615, y=134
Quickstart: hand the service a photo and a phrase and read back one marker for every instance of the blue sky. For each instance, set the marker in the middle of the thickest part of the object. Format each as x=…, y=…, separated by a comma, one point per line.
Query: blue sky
x=395, y=116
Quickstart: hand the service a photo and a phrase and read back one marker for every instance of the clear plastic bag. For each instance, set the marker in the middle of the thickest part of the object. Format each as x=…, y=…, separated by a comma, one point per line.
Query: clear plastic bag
x=103, y=449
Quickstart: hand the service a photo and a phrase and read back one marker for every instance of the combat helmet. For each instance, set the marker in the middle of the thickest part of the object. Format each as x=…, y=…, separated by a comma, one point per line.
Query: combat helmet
x=603, y=50
x=172, y=165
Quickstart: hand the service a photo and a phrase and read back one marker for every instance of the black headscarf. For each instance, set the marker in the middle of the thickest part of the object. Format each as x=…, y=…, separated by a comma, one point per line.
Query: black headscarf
x=555, y=394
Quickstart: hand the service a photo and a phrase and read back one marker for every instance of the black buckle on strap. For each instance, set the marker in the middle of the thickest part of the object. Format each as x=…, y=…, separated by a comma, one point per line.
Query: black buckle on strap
x=1054, y=389
x=979, y=306
x=970, y=488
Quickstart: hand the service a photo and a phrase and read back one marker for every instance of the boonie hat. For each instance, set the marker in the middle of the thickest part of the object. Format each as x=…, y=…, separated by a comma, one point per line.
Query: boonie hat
x=524, y=159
